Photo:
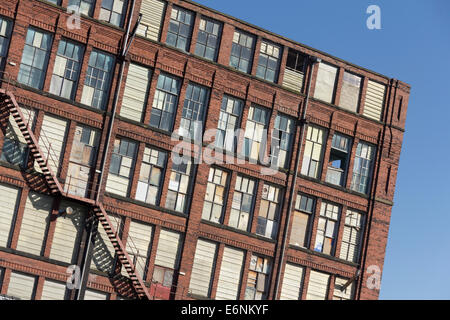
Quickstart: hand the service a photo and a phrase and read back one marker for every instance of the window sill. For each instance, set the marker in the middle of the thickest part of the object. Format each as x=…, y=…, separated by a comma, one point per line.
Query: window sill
x=349, y=191
x=146, y=205
x=326, y=256
x=246, y=233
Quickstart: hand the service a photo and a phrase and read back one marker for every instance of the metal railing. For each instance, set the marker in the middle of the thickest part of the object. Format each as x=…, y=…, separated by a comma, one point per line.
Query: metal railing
x=44, y=142
x=91, y=188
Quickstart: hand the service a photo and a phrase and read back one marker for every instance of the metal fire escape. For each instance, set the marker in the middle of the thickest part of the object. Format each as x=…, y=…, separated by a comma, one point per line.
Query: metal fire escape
x=43, y=155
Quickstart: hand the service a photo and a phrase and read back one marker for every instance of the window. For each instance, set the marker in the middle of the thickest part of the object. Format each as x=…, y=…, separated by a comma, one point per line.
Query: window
x=327, y=228
x=5, y=34
x=162, y=275
x=57, y=2
x=351, y=239
x=325, y=82
x=255, y=131
x=82, y=159
x=83, y=6
x=242, y=51
x=282, y=141
x=312, y=156
x=134, y=99
x=268, y=62
x=122, y=159
x=350, y=92
x=294, y=72
x=15, y=147
x=194, y=110
x=230, y=274
x=151, y=176
x=242, y=206
x=165, y=102
x=296, y=60
x=8, y=211
x=317, y=286
x=208, y=39
x=362, y=167
x=292, y=282
x=112, y=11
x=340, y=293
x=35, y=58
x=180, y=28
x=375, y=98
x=121, y=166
x=67, y=69
x=258, y=278
x=338, y=163
x=203, y=268
x=301, y=221
x=179, y=185
x=229, y=120
x=152, y=15
x=268, y=212
x=167, y=256
x=98, y=80
x=215, y=196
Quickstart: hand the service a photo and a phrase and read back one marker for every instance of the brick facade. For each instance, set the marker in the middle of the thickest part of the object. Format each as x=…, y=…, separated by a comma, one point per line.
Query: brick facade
x=386, y=135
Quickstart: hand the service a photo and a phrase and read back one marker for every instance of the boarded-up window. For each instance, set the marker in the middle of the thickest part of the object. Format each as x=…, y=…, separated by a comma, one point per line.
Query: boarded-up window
x=325, y=83
x=230, y=274
x=317, y=286
x=258, y=278
x=203, y=267
x=121, y=166
x=166, y=260
x=135, y=94
x=351, y=238
x=373, y=107
x=351, y=87
x=294, y=72
x=68, y=230
x=21, y=286
x=292, y=282
x=52, y=141
x=312, y=156
x=15, y=148
x=82, y=158
x=340, y=293
x=34, y=223
x=95, y=295
x=53, y=290
x=9, y=197
x=301, y=221
x=152, y=14
x=138, y=246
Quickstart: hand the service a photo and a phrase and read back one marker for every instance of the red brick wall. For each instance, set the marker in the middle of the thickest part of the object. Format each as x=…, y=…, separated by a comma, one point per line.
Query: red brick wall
x=387, y=135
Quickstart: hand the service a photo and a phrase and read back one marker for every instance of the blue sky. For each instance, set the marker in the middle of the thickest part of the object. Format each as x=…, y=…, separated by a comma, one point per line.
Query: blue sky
x=413, y=46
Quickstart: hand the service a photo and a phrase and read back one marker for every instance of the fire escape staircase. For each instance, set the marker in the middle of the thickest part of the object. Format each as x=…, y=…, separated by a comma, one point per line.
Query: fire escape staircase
x=7, y=100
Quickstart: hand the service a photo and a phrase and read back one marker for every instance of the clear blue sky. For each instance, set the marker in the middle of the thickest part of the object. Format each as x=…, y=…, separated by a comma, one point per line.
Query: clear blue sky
x=413, y=46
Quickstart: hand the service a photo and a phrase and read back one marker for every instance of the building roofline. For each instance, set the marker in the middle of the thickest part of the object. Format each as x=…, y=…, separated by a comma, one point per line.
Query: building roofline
x=290, y=40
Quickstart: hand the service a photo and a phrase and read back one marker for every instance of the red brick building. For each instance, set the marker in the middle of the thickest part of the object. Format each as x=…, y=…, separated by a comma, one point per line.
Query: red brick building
x=89, y=183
